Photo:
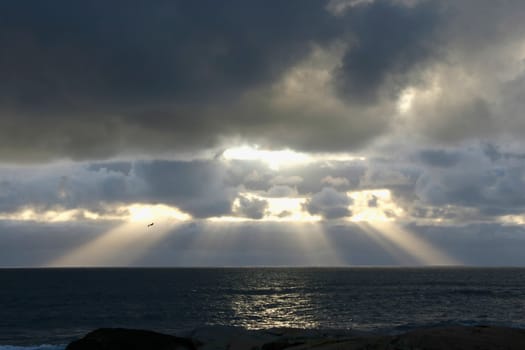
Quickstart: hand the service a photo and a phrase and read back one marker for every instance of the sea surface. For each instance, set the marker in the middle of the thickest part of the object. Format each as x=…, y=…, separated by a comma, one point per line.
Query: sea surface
x=47, y=308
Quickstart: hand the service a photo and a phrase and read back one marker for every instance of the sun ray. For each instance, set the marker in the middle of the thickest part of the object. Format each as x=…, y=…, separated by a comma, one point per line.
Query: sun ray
x=397, y=253
x=411, y=244
x=263, y=244
x=123, y=245
x=312, y=239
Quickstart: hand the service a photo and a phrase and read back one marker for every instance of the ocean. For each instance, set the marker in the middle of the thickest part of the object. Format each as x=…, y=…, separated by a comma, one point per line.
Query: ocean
x=47, y=308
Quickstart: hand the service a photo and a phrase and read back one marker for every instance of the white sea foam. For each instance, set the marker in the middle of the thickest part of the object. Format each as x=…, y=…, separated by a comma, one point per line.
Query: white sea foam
x=33, y=347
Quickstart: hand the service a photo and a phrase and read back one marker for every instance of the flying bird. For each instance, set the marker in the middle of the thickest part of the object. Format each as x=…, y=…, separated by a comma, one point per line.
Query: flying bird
x=149, y=225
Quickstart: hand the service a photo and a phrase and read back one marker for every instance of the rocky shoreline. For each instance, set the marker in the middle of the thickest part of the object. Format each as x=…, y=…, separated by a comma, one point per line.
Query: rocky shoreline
x=228, y=338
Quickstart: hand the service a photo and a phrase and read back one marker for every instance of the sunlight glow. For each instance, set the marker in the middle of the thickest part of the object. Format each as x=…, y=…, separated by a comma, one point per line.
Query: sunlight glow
x=57, y=215
x=374, y=206
x=289, y=209
x=274, y=159
x=281, y=209
x=512, y=219
x=134, y=212
x=277, y=159
x=404, y=104
x=146, y=213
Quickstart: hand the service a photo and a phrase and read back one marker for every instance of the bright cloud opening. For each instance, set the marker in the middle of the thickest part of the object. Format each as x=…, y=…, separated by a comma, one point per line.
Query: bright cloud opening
x=274, y=159
x=284, y=209
x=277, y=159
x=147, y=212
x=404, y=103
x=374, y=206
x=133, y=213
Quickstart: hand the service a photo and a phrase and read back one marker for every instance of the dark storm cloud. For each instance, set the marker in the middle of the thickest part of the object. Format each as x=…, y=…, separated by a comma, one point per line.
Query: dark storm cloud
x=92, y=80
x=96, y=79
x=119, y=51
x=390, y=41
x=439, y=158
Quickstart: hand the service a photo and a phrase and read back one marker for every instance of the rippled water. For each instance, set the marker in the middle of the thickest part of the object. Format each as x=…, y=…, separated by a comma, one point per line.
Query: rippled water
x=40, y=306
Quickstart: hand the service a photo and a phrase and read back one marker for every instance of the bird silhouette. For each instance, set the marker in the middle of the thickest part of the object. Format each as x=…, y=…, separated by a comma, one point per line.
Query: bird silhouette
x=149, y=225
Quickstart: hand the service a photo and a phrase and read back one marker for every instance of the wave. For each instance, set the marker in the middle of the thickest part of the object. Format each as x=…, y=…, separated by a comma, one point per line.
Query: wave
x=33, y=347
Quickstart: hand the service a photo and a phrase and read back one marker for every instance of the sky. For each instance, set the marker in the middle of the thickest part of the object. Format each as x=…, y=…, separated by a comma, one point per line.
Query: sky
x=262, y=133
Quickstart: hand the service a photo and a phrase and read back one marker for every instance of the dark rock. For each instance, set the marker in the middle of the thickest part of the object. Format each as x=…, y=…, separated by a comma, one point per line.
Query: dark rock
x=280, y=345
x=130, y=339
x=463, y=338
x=443, y=338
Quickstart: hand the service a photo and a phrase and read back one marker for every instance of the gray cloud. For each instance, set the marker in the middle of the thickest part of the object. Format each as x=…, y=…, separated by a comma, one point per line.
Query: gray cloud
x=286, y=180
x=465, y=95
x=439, y=158
x=478, y=183
x=329, y=203
x=281, y=191
x=98, y=80
x=197, y=187
x=475, y=184
x=252, y=208
x=335, y=181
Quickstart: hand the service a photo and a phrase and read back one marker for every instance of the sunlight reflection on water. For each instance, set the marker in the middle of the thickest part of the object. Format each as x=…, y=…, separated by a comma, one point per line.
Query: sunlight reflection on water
x=276, y=310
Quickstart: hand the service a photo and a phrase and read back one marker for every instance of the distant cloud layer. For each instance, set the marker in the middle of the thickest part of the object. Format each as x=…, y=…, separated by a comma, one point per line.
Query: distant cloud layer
x=468, y=185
